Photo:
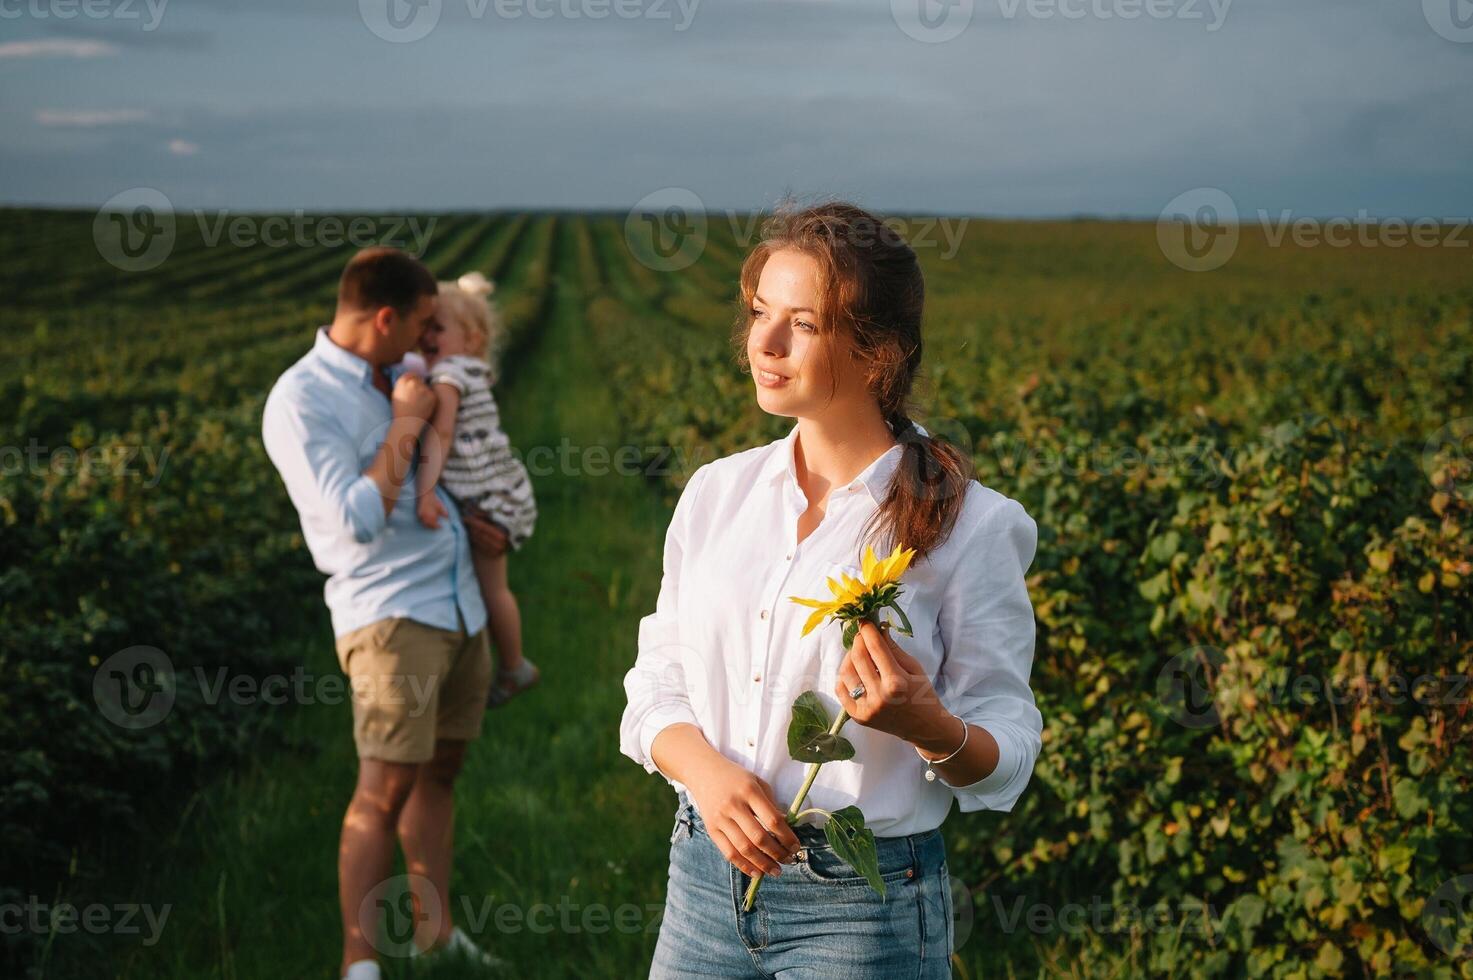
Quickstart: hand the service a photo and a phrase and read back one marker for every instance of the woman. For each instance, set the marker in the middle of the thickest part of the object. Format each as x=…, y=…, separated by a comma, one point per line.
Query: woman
x=833, y=339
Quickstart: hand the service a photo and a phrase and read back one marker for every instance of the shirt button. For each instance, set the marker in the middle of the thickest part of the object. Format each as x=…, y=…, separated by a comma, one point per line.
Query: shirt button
x=764, y=614
x=750, y=742
x=757, y=678
x=790, y=556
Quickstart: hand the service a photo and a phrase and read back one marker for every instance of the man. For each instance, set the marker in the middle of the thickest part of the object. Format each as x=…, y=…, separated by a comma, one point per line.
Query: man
x=406, y=610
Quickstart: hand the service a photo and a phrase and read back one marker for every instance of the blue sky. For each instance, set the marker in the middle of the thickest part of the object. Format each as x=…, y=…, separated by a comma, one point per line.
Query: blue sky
x=1037, y=107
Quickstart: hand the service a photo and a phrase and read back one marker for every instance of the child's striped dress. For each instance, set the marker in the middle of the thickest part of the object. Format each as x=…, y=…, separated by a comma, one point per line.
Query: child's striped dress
x=481, y=470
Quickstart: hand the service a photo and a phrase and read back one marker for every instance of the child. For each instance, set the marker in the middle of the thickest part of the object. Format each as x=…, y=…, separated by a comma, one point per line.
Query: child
x=469, y=455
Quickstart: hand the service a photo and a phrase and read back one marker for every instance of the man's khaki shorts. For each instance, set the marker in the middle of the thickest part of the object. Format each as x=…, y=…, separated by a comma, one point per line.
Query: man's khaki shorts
x=413, y=684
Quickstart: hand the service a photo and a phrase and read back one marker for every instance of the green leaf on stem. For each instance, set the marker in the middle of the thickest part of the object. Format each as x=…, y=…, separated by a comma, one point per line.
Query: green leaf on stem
x=854, y=843
x=808, y=733
x=904, y=626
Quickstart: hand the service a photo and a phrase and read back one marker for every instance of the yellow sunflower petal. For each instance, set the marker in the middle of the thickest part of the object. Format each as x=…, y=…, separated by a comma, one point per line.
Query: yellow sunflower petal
x=814, y=621
x=893, y=565
x=813, y=603
x=868, y=565
x=853, y=585
x=882, y=569
x=900, y=562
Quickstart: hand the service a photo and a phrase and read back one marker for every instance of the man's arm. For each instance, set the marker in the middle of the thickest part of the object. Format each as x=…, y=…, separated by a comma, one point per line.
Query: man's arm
x=318, y=462
x=412, y=404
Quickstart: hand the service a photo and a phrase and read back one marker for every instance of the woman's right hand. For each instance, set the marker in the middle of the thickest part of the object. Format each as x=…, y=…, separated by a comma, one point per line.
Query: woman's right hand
x=746, y=823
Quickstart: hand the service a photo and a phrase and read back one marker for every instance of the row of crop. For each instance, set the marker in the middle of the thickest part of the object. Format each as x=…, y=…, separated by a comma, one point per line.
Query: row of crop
x=682, y=390
x=73, y=362
x=524, y=297
x=215, y=256
x=1231, y=602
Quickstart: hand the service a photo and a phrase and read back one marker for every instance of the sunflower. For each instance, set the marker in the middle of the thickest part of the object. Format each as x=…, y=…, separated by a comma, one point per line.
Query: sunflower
x=854, y=600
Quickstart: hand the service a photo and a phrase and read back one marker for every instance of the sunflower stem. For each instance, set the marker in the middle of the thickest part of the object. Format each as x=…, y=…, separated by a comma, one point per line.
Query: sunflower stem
x=796, y=810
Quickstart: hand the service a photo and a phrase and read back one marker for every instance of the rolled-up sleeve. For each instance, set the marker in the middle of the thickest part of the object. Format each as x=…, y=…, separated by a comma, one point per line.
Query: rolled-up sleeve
x=319, y=465
x=987, y=632
x=656, y=684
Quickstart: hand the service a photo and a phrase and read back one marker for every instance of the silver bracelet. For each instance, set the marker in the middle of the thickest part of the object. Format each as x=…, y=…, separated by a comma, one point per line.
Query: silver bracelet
x=930, y=763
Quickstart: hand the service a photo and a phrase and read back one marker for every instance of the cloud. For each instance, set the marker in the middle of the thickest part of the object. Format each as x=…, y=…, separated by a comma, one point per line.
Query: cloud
x=183, y=148
x=57, y=48
x=128, y=34
x=89, y=118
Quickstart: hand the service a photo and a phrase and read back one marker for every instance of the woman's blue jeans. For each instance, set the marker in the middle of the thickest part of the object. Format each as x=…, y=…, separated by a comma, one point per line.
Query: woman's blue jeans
x=818, y=920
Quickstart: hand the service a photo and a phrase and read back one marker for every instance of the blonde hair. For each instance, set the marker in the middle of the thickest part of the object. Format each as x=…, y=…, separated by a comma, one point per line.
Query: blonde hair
x=467, y=301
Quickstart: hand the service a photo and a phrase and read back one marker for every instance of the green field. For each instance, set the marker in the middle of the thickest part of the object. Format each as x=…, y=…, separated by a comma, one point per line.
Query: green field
x=1259, y=479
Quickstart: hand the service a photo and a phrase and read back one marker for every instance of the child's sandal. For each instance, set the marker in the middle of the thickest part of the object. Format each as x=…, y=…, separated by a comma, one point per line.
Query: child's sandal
x=510, y=683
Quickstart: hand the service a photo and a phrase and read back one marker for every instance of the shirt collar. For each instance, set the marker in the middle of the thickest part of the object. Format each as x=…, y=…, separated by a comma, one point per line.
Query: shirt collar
x=875, y=478
x=340, y=359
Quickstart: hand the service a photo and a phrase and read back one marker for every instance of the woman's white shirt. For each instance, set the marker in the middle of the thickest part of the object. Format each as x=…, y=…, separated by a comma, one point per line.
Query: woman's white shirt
x=723, y=650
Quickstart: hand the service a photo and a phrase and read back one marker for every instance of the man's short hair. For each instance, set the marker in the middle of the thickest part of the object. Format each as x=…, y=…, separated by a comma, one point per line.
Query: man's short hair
x=381, y=276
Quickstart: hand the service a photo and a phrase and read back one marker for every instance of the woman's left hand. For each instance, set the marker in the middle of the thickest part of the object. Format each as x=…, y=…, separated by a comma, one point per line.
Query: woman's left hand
x=898, y=695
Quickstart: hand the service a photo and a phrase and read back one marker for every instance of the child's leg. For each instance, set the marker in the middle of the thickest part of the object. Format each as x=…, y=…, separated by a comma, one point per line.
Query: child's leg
x=501, y=609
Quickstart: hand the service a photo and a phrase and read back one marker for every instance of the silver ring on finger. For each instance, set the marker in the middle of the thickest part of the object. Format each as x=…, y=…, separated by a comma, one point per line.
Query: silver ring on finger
x=857, y=692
